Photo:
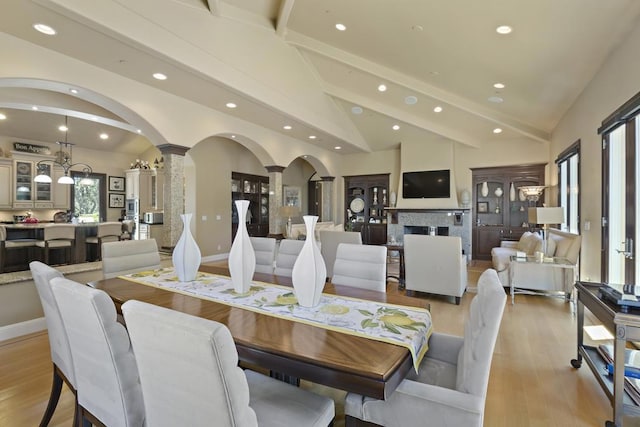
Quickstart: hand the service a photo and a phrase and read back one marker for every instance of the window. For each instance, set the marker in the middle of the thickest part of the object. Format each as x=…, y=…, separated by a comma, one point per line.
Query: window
x=621, y=193
x=569, y=185
x=88, y=202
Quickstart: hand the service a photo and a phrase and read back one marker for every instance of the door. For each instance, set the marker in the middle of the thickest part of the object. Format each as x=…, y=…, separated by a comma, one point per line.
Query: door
x=620, y=194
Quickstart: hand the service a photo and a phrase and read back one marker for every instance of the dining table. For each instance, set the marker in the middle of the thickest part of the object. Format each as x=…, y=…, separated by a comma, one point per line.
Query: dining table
x=289, y=348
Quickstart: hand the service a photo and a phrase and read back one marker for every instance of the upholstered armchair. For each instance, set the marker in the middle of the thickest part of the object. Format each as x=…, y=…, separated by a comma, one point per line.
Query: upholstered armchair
x=329, y=241
x=451, y=385
x=435, y=264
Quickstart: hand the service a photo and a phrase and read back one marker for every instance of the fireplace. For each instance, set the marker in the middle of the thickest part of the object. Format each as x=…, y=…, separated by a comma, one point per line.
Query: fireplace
x=419, y=229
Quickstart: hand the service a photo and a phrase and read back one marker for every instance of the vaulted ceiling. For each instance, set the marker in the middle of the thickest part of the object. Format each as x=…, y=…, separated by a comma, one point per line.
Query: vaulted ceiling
x=428, y=54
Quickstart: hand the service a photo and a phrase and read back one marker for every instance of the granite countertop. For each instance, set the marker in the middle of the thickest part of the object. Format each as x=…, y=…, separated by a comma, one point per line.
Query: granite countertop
x=48, y=224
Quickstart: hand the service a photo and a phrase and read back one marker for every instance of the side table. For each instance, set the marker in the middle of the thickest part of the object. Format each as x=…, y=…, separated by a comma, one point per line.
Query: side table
x=400, y=250
x=551, y=275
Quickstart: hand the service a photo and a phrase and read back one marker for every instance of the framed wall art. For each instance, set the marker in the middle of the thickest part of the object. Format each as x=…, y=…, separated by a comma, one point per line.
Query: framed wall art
x=116, y=183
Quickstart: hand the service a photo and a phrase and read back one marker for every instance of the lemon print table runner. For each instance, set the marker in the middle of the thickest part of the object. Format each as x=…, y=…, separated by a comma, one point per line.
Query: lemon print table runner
x=409, y=327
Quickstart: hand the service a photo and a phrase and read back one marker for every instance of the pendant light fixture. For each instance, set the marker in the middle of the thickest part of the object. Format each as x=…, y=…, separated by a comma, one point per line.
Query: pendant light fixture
x=64, y=160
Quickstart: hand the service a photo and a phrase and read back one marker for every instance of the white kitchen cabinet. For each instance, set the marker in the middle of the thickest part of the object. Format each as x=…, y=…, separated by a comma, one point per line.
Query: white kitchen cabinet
x=6, y=183
x=61, y=192
x=146, y=185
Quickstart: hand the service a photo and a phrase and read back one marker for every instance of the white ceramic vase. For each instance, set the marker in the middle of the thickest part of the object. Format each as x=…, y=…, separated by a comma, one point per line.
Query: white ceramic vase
x=186, y=254
x=512, y=193
x=309, y=272
x=485, y=189
x=242, y=258
x=498, y=192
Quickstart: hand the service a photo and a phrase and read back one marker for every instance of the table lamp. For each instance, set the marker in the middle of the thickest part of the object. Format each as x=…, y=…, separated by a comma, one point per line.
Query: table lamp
x=546, y=216
x=288, y=211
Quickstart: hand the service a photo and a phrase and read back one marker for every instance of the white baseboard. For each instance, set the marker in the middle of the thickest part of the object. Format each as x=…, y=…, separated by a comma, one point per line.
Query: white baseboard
x=218, y=257
x=23, y=328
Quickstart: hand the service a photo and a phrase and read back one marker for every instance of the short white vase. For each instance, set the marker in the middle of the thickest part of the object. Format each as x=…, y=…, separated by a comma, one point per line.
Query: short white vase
x=186, y=254
x=309, y=272
x=242, y=258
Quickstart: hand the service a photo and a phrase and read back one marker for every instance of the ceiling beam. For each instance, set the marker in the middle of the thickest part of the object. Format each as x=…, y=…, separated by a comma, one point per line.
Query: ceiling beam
x=391, y=75
x=286, y=6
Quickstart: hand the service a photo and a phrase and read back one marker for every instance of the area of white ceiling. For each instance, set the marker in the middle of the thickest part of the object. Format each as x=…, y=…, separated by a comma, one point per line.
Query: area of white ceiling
x=446, y=54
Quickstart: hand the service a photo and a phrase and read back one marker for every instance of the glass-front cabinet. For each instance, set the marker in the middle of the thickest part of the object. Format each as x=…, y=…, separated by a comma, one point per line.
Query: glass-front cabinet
x=27, y=193
x=500, y=210
x=366, y=196
x=255, y=189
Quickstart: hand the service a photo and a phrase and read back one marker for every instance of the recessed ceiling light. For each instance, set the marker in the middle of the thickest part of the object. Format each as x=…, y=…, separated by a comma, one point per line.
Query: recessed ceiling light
x=304, y=156
x=287, y=127
x=410, y=100
x=63, y=128
x=504, y=29
x=356, y=109
x=34, y=108
x=44, y=29
x=498, y=85
x=495, y=99
x=497, y=130
x=139, y=131
x=337, y=147
x=104, y=136
x=2, y=117
x=395, y=127
x=341, y=27
x=159, y=76
x=233, y=136
x=437, y=109
x=312, y=137
x=73, y=91
x=382, y=88
x=231, y=105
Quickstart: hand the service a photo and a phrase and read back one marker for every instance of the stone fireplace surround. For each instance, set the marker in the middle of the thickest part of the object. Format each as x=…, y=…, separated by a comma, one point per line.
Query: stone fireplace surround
x=457, y=222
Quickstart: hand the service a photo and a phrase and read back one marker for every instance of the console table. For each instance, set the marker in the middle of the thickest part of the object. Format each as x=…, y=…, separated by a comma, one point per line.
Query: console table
x=627, y=328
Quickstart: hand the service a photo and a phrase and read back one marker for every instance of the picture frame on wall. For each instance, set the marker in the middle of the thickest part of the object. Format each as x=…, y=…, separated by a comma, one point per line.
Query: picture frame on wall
x=116, y=200
x=291, y=196
x=483, y=207
x=117, y=183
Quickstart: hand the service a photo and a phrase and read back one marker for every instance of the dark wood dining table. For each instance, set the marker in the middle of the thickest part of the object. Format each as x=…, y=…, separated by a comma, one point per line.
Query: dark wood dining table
x=351, y=363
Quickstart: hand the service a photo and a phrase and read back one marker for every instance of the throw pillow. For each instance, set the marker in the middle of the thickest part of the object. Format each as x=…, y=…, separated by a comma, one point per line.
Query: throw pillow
x=522, y=243
x=551, y=247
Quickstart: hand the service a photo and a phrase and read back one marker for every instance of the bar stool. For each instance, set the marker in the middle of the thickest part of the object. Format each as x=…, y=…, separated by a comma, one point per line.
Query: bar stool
x=107, y=232
x=6, y=245
x=58, y=236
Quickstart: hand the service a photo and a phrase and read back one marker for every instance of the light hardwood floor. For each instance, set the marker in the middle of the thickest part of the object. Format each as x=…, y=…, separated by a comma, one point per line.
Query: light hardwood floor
x=532, y=382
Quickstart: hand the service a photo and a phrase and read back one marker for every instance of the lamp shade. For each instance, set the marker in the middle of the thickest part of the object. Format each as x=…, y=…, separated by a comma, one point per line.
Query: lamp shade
x=288, y=211
x=65, y=179
x=546, y=215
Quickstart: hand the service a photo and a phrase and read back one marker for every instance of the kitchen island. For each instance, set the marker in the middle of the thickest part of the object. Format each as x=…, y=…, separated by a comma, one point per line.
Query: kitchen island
x=19, y=259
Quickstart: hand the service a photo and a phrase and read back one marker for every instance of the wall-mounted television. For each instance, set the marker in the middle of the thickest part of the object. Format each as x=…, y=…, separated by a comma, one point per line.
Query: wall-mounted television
x=426, y=184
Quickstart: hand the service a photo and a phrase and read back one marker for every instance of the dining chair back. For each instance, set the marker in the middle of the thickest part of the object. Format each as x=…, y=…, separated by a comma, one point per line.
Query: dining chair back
x=107, y=378
x=450, y=387
x=361, y=266
x=129, y=256
x=7, y=245
x=287, y=255
x=58, y=340
x=58, y=236
x=106, y=232
x=329, y=241
x=265, y=250
x=177, y=352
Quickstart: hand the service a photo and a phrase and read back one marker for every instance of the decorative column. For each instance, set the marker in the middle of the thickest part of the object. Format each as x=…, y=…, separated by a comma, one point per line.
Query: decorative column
x=276, y=224
x=173, y=193
x=326, y=198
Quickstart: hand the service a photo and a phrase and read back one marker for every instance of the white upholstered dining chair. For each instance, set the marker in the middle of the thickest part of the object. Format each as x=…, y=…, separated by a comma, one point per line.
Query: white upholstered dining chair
x=329, y=241
x=107, y=381
x=56, y=237
x=129, y=256
x=361, y=266
x=450, y=388
x=190, y=376
x=265, y=250
x=287, y=255
x=7, y=245
x=58, y=340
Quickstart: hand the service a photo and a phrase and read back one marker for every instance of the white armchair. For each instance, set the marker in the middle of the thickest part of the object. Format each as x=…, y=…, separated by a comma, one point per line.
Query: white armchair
x=435, y=264
x=451, y=387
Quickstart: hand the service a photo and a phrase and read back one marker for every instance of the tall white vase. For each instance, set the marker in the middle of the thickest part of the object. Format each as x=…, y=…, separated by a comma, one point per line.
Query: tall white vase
x=485, y=189
x=512, y=193
x=186, y=254
x=242, y=258
x=309, y=272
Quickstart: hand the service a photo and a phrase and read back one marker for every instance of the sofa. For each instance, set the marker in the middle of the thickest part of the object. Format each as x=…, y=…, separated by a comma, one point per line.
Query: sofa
x=559, y=244
x=299, y=231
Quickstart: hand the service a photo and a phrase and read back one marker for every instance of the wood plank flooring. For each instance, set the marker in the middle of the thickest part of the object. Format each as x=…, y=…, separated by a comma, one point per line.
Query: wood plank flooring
x=532, y=382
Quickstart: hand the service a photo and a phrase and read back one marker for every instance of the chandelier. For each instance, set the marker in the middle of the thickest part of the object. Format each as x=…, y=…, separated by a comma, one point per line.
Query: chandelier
x=532, y=192
x=64, y=160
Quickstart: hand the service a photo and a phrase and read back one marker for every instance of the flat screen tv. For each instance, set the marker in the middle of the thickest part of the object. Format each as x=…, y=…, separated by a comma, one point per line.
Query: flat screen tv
x=426, y=184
